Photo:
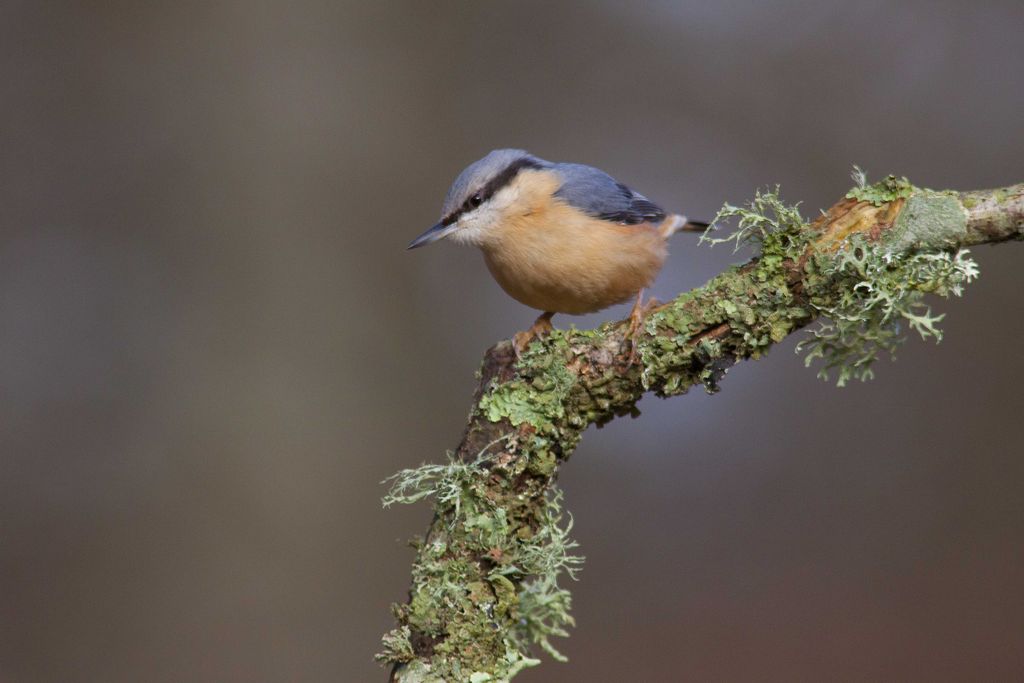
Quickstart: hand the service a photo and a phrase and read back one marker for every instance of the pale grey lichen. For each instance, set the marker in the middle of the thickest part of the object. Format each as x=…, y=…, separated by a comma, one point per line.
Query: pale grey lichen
x=766, y=214
x=397, y=646
x=876, y=291
x=930, y=220
x=501, y=576
x=543, y=604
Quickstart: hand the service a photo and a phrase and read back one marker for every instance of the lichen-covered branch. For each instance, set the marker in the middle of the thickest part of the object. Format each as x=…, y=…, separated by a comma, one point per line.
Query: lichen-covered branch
x=485, y=582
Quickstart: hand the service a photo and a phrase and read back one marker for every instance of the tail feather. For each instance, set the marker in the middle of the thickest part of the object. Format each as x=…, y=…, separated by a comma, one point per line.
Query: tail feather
x=695, y=226
x=676, y=223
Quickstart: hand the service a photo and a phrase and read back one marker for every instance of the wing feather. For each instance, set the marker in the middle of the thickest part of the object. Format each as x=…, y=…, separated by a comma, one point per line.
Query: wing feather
x=599, y=195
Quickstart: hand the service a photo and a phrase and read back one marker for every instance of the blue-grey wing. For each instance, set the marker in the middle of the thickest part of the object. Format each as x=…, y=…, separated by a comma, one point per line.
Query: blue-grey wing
x=598, y=194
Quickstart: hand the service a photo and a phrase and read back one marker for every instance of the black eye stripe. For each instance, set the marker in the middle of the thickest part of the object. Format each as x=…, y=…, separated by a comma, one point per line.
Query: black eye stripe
x=493, y=186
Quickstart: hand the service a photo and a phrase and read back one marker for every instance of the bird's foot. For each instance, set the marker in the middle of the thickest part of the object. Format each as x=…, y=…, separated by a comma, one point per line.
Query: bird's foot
x=636, y=325
x=541, y=327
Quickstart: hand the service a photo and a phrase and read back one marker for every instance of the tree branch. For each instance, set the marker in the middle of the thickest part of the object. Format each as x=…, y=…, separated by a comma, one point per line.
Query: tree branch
x=485, y=579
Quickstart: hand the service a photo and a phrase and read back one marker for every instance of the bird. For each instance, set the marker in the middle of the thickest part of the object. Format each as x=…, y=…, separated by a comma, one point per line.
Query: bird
x=558, y=237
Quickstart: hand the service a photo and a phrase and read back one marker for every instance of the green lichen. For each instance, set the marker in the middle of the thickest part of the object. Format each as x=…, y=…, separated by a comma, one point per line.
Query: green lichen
x=755, y=302
x=540, y=399
x=888, y=189
x=547, y=395
x=875, y=292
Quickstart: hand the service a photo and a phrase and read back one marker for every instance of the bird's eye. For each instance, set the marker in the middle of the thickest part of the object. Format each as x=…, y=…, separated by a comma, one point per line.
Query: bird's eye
x=475, y=201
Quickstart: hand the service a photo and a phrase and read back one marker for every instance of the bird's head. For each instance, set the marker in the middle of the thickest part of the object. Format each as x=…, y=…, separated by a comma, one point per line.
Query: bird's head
x=480, y=196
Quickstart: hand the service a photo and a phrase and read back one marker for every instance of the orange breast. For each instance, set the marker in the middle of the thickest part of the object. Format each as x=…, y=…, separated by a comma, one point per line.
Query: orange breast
x=552, y=257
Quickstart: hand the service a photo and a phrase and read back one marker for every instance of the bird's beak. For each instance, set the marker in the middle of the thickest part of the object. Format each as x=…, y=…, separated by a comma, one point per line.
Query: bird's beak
x=438, y=232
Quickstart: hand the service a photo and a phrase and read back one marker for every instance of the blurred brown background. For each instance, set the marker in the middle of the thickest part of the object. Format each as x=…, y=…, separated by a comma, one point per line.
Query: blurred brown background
x=213, y=345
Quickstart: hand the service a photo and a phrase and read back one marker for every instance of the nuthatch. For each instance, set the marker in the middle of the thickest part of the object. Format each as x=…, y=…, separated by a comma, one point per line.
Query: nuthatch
x=558, y=237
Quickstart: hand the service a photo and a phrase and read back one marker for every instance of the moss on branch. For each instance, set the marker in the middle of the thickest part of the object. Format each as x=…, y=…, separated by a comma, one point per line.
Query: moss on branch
x=488, y=578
